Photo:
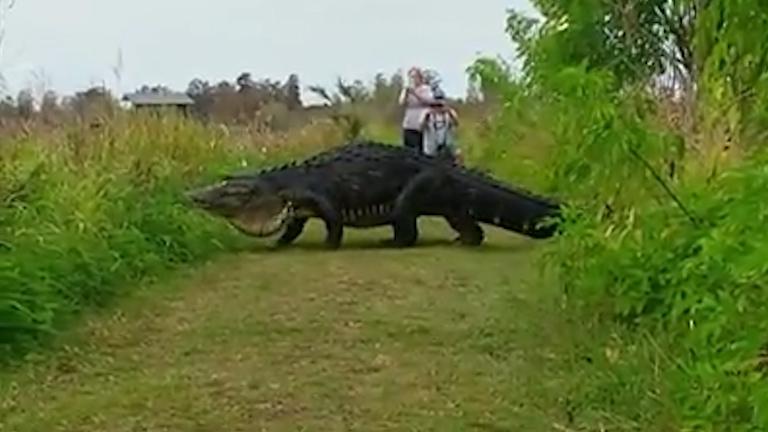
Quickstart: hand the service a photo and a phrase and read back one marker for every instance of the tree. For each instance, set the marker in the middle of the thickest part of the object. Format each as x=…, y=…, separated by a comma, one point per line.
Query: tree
x=200, y=92
x=93, y=101
x=49, y=106
x=293, y=93
x=197, y=87
x=245, y=82
x=7, y=107
x=25, y=104
x=323, y=94
x=637, y=40
x=696, y=51
x=354, y=92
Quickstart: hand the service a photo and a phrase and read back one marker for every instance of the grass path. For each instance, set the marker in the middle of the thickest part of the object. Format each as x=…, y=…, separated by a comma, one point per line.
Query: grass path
x=436, y=338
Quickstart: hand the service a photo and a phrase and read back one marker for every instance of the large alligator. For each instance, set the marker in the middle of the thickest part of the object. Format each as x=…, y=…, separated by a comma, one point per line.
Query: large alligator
x=369, y=184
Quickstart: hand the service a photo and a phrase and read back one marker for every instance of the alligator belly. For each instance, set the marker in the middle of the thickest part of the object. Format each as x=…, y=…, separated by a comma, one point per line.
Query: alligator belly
x=368, y=223
x=367, y=217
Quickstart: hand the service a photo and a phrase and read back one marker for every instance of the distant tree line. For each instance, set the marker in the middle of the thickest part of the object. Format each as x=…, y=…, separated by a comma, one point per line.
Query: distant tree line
x=243, y=100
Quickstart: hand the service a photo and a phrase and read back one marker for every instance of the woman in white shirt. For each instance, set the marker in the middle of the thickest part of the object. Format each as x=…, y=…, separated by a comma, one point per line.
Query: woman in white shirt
x=417, y=98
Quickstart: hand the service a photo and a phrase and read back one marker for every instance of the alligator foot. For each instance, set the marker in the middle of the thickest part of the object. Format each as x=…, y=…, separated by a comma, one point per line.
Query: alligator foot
x=406, y=231
x=470, y=233
x=388, y=243
x=471, y=239
x=333, y=239
x=332, y=243
x=334, y=232
x=464, y=241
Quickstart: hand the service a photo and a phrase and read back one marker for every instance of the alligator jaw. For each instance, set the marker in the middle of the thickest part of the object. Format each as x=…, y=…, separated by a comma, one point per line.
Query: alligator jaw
x=257, y=225
x=199, y=198
x=261, y=216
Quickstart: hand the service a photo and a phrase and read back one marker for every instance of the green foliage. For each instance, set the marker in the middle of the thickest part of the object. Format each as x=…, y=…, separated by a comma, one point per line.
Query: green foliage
x=702, y=288
x=626, y=38
x=666, y=267
x=734, y=76
x=598, y=135
x=83, y=215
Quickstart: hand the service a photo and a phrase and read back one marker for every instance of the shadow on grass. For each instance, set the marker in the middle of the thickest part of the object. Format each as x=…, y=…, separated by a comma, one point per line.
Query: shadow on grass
x=372, y=244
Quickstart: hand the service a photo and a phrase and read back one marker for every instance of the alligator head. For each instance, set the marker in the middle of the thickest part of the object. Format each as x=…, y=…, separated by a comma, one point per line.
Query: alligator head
x=248, y=204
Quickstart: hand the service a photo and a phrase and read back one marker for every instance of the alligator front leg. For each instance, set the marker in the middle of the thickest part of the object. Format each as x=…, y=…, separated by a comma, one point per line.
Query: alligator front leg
x=322, y=208
x=292, y=231
x=335, y=232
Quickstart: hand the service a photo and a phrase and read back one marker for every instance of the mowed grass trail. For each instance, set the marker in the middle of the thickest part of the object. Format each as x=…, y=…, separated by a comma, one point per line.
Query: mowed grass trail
x=438, y=338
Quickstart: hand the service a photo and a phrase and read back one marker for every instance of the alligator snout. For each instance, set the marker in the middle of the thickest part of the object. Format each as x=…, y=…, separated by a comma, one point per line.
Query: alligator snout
x=198, y=197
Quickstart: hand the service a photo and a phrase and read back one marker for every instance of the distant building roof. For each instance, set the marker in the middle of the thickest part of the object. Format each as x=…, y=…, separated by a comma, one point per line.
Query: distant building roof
x=158, y=98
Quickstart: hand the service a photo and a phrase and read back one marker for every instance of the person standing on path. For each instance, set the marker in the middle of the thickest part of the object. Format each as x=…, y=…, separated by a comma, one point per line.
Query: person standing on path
x=417, y=99
x=440, y=125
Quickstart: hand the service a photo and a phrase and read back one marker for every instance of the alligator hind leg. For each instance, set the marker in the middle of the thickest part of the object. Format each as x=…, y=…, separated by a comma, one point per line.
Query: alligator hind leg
x=406, y=231
x=407, y=206
x=292, y=231
x=470, y=233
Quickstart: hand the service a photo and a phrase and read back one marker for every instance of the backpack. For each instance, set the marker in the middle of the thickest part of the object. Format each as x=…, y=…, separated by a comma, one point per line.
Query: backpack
x=439, y=132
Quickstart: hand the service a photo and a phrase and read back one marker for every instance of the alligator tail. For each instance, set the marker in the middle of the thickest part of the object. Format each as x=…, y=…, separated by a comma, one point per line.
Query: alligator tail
x=514, y=210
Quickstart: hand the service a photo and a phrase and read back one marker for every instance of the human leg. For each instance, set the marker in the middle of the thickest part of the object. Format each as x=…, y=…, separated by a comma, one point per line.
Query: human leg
x=413, y=139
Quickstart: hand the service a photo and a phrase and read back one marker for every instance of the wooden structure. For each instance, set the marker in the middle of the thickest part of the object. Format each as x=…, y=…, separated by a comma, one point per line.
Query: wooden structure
x=158, y=100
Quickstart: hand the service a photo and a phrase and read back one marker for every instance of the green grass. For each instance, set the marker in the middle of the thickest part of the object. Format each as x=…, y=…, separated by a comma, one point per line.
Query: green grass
x=85, y=212
x=437, y=337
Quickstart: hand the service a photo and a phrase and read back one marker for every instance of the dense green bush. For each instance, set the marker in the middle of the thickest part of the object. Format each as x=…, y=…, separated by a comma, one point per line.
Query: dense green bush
x=86, y=212
x=664, y=269
x=685, y=264
x=698, y=290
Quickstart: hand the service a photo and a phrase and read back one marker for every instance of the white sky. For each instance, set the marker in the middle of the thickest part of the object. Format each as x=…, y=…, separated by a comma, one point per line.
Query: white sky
x=68, y=45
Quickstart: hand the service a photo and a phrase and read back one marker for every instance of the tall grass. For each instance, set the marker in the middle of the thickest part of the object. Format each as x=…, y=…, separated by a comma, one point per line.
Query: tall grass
x=86, y=210
x=664, y=276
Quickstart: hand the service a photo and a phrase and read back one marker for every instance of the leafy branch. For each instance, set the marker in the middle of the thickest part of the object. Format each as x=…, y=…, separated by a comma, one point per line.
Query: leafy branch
x=664, y=185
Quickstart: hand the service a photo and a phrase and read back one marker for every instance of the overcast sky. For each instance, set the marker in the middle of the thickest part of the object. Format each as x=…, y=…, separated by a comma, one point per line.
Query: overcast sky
x=68, y=45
